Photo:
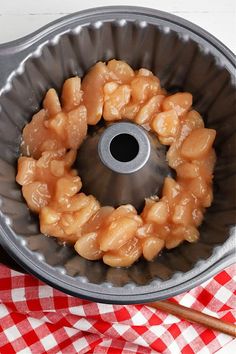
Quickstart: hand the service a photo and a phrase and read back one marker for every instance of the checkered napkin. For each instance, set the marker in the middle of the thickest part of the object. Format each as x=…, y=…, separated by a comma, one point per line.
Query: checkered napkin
x=35, y=318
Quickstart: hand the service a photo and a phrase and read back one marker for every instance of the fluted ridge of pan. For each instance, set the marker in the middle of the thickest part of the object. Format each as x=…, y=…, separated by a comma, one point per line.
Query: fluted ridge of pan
x=181, y=64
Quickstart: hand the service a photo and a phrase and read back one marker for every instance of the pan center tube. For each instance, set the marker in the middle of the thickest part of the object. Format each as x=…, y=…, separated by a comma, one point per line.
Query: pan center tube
x=122, y=164
x=124, y=148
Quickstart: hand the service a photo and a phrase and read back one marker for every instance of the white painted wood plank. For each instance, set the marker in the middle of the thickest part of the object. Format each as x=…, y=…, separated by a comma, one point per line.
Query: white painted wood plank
x=55, y=6
x=14, y=26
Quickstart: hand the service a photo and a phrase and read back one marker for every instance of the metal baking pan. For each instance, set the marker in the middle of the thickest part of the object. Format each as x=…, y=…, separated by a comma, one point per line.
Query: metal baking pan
x=184, y=57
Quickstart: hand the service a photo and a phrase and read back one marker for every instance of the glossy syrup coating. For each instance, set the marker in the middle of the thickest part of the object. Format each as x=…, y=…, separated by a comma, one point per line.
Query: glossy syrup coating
x=51, y=187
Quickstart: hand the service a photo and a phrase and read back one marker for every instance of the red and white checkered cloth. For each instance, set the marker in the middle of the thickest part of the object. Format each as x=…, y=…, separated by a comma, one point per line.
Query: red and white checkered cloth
x=35, y=318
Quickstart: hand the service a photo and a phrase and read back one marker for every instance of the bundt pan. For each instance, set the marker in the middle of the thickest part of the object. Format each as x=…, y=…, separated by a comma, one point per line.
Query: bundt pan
x=185, y=58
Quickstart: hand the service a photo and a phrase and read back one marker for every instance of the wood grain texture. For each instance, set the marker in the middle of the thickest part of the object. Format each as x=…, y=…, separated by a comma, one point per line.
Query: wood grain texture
x=192, y=315
x=217, y=17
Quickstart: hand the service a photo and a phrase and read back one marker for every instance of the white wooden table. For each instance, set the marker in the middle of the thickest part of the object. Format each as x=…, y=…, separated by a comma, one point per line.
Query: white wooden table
x=21, y=17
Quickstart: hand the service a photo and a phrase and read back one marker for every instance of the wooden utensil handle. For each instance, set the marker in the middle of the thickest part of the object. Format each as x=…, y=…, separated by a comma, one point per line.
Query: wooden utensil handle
x=195, y=316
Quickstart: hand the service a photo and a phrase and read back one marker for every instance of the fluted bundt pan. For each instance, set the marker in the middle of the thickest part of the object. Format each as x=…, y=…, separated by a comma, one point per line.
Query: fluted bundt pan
x=185, y=58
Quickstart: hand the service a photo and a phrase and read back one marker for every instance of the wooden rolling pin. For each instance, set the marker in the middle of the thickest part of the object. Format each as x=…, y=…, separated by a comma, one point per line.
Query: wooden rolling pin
x=195, y=316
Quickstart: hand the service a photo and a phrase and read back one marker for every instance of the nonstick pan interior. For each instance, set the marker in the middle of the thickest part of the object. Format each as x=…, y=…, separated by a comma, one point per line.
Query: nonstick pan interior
x=185, y=58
